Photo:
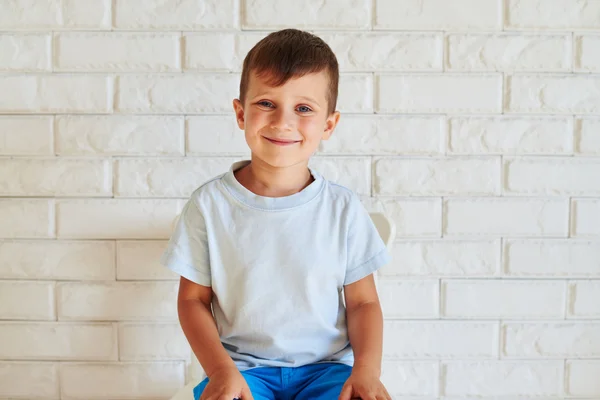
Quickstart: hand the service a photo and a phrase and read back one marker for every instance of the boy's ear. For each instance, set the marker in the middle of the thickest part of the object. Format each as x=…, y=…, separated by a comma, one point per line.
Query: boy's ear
x=239, y=113
x=330, y=125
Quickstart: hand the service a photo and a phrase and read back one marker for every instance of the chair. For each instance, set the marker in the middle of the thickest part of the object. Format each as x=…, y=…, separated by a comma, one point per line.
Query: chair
x=387, y=231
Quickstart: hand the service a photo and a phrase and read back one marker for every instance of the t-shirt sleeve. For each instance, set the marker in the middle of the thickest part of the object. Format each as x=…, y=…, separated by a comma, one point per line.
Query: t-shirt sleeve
x=366, y=250
x=187, y=251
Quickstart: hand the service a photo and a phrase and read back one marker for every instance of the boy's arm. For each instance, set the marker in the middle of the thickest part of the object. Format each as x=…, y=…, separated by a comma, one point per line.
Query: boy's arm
x=365, y=324
x=199, y=327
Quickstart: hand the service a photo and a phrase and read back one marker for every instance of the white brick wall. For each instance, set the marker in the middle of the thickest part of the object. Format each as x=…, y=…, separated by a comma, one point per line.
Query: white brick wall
x=474, y=124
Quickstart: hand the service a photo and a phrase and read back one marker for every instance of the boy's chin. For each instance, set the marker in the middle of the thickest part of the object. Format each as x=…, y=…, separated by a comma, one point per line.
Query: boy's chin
x=280, y=161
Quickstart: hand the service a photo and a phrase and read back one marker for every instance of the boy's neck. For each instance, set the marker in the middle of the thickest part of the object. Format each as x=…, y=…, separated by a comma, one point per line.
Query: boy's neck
x=265, y=180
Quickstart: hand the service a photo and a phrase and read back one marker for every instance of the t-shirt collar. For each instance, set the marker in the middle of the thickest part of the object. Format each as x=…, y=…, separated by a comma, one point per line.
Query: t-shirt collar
x=271, y=203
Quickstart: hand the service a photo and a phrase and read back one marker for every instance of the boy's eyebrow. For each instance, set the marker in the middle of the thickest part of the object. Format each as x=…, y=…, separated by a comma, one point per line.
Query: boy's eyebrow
x=268, y=93
x=310, y=99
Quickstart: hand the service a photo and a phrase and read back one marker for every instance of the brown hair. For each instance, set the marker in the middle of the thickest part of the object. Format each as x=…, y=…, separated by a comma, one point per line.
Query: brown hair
x=291, y=53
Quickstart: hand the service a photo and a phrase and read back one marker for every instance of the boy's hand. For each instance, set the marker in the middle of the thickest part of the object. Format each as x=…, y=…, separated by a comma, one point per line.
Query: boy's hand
x=226, y=384
x=364, y=384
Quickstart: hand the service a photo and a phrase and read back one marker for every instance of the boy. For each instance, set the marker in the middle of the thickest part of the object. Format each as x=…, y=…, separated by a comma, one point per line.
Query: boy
x=275, y=248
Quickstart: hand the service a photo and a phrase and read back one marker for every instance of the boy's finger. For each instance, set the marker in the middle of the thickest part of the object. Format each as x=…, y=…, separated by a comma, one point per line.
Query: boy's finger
x=226, y=396
x=346, y=393
x=205, y=395
x=246, y=394
x=387, y=394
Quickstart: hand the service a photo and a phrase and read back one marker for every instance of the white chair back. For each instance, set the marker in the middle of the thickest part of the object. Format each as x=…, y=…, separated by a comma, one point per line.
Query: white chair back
x=385, y=227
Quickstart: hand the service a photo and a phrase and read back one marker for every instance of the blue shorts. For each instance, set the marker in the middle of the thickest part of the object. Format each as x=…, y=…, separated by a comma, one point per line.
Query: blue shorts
x=323, y=381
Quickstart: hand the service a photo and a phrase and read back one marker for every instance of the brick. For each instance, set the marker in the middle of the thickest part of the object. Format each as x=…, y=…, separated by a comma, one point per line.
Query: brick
x=435, y=94
x=61, y=260
x=416, y=378
x=27, y=300
x=437, y=176
x=355, y=94
x=448, y=258
x=25, y=136
x=502, y=378
x=56, y=15
x=55, y=177
x=585, y=218
x=503, y=299
x=140, y=260
x=146, y=341
x=551, y=340
x=55, y=94
x=194, y=370
x=351, y=172
x=365, y=52
x=587, y=58
x=438, y=15
x=506, y=216
x=116, y=219
x=552, y=258
x=553, y=94
x=117, y=51
x=214, y=135
x=412, y=217
x=510, y=135
x=29, y=380
x=61, y=341
x=409, y=135
x=345, y=14
x=582, y=378
x=552, y=176
x=119, y=135
x=25, y=52
x=212, y=52
x=584, y=299
x=409, y=298
x=175, y=15
x=560, y=14
x=166, y=177
x=155, y=380
x=509, y=52
x=432, y=340
x=587, y=140
x=176, y=94
x=246, y=40
x=117, y=301
x=26, y=218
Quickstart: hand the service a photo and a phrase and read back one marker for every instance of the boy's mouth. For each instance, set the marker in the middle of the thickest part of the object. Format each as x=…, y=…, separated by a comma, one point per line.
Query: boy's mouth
x=281, y=142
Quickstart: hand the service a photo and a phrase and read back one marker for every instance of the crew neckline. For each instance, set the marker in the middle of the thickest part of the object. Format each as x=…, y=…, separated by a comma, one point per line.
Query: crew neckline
x=254, y=200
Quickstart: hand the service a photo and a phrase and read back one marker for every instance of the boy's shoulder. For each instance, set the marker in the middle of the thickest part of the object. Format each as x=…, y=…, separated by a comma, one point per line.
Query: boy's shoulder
x=207, y=189
x=341, y=192
x=343, y=199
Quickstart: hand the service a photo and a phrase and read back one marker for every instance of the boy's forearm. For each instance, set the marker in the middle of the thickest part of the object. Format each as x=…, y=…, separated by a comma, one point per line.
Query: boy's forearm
x=201, y=332
x=365, y=330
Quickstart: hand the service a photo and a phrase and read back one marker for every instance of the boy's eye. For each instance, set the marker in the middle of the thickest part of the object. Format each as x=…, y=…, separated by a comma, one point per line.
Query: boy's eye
x=303, y=109
x=265, y=103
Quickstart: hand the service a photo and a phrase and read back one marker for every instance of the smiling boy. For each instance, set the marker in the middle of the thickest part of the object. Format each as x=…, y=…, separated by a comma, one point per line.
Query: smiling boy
x=270, y=251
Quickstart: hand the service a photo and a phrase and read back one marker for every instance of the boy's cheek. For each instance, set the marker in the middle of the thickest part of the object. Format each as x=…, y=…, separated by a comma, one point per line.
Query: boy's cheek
x=253, y=120
x=312, y=127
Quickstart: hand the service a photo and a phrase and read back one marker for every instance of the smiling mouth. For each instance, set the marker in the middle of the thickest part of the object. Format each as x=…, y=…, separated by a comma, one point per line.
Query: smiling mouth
x=280, y=142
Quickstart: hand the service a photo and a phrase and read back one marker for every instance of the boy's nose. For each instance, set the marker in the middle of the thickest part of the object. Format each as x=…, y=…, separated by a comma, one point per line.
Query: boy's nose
x=282, y=120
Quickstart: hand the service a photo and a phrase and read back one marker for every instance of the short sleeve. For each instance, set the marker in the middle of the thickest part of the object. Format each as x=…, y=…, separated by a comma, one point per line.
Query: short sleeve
x=366, y=250
x=187, y=251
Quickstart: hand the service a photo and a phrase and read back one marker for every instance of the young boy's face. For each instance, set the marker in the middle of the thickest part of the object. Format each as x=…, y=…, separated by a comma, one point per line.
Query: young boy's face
x=284, y=125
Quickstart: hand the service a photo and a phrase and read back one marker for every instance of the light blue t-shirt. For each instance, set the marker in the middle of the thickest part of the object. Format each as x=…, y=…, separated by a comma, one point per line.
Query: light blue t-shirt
x=277, y=267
